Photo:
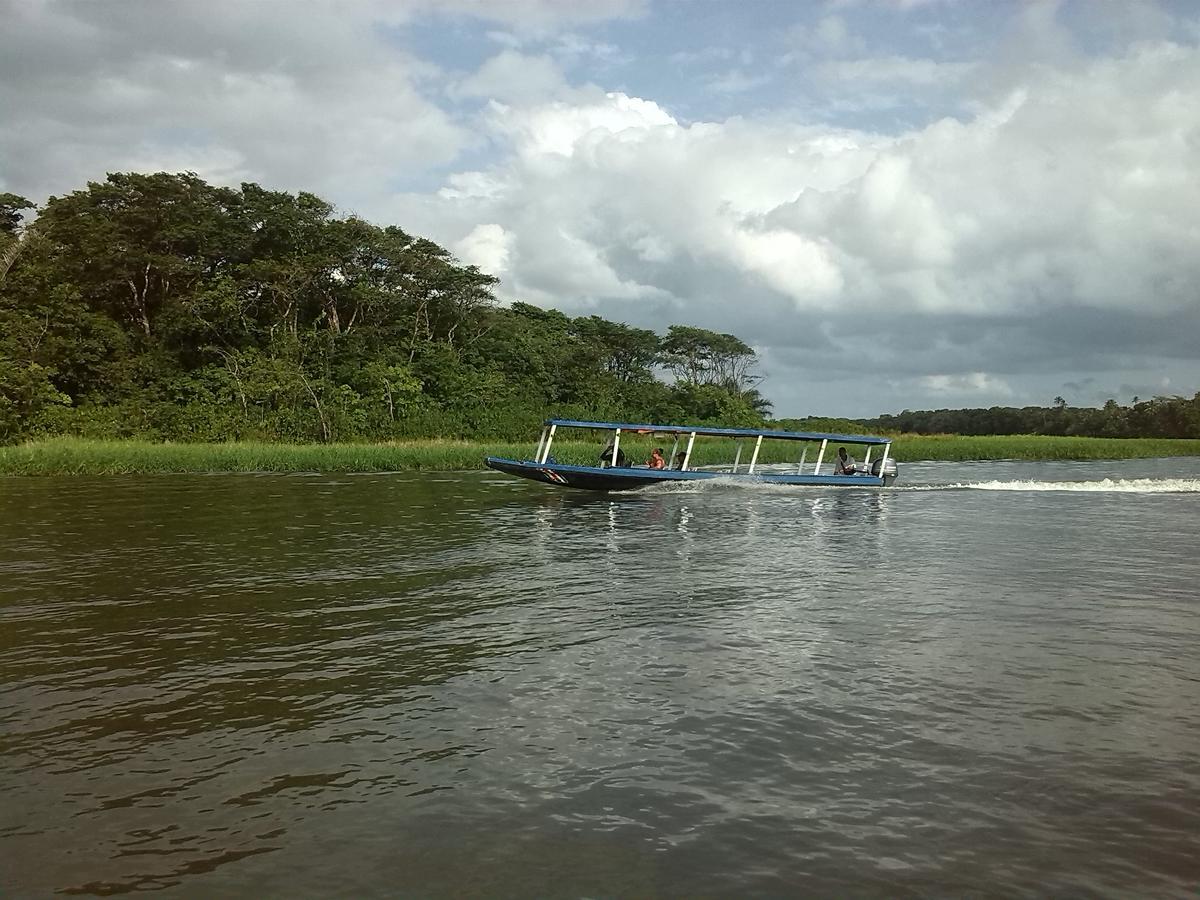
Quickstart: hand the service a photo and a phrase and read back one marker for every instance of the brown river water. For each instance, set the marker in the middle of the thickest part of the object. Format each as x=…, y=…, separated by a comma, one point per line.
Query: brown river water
x=982, y=682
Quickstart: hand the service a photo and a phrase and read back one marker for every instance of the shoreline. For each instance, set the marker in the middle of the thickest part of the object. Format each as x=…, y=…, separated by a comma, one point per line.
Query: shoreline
x=80, y=456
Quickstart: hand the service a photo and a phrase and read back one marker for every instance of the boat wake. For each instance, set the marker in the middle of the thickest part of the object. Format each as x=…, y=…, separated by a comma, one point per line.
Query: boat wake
x=1104, y=486
x=710, y=485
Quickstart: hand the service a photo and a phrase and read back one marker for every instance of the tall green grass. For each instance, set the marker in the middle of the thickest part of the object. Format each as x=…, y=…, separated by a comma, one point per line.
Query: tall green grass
x=1036, y=447
x=81, y=456
x=77, y=456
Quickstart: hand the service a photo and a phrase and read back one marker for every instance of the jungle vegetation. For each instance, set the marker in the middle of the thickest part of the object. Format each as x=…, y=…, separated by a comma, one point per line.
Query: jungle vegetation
x=1160, y=417
x=162, y=307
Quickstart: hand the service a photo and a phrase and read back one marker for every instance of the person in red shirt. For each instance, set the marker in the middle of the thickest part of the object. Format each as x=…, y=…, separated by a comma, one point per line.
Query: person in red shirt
x=656, y=460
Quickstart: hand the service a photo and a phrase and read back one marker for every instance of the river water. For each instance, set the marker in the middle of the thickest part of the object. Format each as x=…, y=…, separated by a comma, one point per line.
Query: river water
x=983, y=681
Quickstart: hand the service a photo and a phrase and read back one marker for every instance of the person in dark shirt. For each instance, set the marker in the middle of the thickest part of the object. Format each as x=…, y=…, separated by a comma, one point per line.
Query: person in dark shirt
x=606, y=456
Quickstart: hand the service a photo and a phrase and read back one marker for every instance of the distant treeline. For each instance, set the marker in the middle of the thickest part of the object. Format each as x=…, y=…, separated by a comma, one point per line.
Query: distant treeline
x=162, y=307
x=1162, y=417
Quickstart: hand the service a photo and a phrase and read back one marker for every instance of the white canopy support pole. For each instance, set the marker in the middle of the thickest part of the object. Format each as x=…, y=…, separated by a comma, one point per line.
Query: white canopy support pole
x=546, y=449
x=803, y=456
x=883, y=462
x=737, y=457
x=821, y=456
x=754, y=457
x=674, y=450
x=616, y=446
x=687, y=454
x=537, y=457
x=867, y=458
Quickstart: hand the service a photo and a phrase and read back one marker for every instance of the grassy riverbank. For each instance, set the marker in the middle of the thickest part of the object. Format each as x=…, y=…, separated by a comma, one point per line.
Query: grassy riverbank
x=74, y=456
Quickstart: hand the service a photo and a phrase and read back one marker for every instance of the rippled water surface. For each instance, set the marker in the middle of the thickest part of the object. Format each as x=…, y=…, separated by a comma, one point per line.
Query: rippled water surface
x=984, y=682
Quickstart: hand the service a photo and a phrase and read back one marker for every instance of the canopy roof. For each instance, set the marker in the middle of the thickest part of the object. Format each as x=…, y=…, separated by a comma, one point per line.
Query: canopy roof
x=723, y=432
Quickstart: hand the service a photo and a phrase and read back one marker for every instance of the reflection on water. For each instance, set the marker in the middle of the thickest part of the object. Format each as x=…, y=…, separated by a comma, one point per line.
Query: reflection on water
x=462, y=684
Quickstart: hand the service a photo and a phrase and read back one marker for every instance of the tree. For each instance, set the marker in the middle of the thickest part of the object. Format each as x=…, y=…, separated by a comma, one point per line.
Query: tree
x=137, y=242
x=13, y=240
x=12, y=213
x=627, y=353
x=708, y=357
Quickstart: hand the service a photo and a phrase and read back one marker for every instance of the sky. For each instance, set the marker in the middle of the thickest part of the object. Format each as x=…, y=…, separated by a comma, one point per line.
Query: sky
x=900, y=204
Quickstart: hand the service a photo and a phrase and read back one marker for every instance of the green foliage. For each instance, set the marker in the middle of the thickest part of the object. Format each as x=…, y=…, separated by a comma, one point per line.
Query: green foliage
x=161, y=307
x=821, y=423
x=716, y=405
x=1164, y=417
x=705, y=357
x=12, y=210
x=27, y=397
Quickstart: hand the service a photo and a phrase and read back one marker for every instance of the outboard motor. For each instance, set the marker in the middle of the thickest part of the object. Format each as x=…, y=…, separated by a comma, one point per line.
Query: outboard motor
x=888, y=471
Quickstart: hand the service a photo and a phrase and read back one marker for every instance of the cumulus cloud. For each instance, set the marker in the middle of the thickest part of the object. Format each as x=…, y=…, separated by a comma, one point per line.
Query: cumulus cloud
x=514, y=77
x=1067, y=200
x=231, y=90
x=969, y=383
x=487, y=246
x=564, y=129
x=1074, y=191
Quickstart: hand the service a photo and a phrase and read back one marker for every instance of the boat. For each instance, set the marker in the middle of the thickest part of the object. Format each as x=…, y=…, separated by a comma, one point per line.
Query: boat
x=604, y=475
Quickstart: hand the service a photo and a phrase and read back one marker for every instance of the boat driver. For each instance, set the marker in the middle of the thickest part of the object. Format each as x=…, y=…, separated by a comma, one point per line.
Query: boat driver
x=845, y=463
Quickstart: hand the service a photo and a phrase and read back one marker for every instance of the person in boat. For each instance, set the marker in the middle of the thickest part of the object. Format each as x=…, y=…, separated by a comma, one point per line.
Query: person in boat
x=606, y=456
x=656, y=460
x=680, y=459
x=845, y=463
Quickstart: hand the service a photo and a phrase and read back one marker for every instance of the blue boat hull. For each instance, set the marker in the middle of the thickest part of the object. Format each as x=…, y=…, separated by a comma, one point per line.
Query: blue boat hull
x=593, y=478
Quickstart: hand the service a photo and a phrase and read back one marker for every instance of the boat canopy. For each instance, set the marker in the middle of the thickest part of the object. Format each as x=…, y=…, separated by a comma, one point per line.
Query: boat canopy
x=706, y=431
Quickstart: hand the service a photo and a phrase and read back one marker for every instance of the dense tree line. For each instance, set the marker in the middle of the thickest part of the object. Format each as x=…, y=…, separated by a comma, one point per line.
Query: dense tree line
x=162, y=306
x=1166, y=417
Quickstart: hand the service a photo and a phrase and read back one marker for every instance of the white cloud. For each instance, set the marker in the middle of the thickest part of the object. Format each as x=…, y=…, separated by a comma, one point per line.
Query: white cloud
x=473, y=185
x=514, y=77
x=970, y=383
x=894, y=70
x=1042, y=194
x=792, y=264
x=236, y=90
x=621, y=176
x=563, y=129
x=487, y=246
x=737, y=81
x=829, y=36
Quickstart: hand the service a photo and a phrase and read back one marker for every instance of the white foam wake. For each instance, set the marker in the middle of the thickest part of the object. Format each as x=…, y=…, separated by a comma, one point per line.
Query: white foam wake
x=1105, y=486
